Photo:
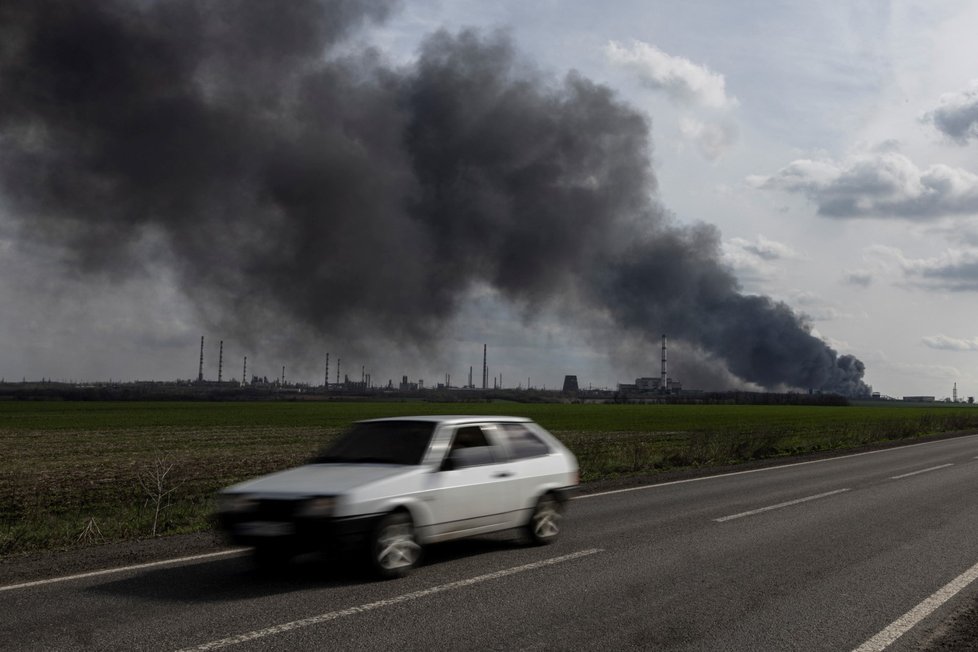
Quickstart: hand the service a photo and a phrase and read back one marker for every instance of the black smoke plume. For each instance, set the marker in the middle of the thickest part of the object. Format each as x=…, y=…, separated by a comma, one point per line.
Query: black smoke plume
x=274, y=163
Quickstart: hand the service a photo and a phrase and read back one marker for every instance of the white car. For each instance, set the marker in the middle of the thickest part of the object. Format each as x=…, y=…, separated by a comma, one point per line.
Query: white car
x=391, y=486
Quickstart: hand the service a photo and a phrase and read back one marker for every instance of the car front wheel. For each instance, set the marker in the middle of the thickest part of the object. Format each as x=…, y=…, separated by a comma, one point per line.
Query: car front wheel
x=544, y=524
x=394, y=548
x=271, y=557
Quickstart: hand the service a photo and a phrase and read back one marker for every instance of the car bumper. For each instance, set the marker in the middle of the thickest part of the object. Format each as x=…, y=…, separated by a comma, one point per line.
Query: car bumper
x=307, y=534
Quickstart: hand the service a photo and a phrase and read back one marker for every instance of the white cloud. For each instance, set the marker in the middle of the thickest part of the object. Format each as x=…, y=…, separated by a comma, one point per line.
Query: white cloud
x=764, y=248
x=945, y=343
x=681, y=79
x=754, y=261
x=957, y=115
x=816, y=308
x=712, y=139
x=880, y=184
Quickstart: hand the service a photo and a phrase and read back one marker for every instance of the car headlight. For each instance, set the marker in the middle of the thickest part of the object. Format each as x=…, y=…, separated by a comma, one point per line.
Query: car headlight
x=318, y=507
x=235, y=503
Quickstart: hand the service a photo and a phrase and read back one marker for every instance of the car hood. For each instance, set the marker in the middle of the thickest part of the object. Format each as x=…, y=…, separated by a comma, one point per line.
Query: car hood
x=320, y=479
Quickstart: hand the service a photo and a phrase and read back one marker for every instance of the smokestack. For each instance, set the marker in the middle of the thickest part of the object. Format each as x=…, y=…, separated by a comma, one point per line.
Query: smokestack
x=326, y=377
x=244, y=372
x=220, y=362
x=200, y=369
x=283, y=375
x=338, y=371
x=485, y=369
x=470, y=377
x=664, y=376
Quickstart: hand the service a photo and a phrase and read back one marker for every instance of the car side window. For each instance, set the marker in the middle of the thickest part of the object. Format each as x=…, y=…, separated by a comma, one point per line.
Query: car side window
x=522, y=443
x=470, y=448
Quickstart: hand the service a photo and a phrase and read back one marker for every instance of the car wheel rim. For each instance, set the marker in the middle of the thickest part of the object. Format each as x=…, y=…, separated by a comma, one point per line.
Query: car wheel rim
x=397, y=547
x=546, y=522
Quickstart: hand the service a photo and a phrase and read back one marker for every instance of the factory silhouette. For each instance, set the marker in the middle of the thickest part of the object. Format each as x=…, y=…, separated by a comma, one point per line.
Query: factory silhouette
x=338, y=384
x=661, y=385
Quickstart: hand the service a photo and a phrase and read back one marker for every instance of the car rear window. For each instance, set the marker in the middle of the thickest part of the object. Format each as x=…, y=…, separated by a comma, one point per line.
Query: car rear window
x=382, y=442
x=522, y=442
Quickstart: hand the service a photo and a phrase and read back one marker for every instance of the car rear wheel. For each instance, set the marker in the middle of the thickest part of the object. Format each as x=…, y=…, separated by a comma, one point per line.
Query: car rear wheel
x=544, y=524
x=394, y=548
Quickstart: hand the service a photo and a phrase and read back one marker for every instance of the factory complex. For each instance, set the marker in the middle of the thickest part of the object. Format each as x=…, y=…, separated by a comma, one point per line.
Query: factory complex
x=339, y=385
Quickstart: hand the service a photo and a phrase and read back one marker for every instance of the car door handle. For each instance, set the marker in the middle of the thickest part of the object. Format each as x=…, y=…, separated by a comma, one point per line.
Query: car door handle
x=503, y=474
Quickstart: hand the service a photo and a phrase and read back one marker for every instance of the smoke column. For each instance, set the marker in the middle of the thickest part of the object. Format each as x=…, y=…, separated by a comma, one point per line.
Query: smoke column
x=356, y=198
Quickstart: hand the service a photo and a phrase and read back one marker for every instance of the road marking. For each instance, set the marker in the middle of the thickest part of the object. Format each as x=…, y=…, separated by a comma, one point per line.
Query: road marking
x=779, y=505
x=766, y=468
x=352, y=611
x=906, y=622
x=933, y=468
x=121, y=569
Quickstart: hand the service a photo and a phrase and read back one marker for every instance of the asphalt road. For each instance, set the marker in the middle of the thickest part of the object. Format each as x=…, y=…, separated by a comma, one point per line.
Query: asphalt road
x=823, y=555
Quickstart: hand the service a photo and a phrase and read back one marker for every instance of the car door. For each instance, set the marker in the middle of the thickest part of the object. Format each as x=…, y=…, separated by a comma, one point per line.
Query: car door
x=530, y=463
x=473, y=491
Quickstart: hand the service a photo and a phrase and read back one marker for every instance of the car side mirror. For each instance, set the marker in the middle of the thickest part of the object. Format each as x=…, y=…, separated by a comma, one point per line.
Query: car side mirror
x=447, y=464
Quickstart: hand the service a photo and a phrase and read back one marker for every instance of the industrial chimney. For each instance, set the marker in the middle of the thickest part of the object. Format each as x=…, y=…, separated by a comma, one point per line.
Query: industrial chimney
x=664, y=375
x=200, y=369
x=485, y=369
x=220, y=363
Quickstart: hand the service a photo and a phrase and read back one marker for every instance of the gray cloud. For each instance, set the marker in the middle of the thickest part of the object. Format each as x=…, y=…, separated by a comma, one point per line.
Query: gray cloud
x=956, y=270
x=293, y=189
x=880, y=184
x=860, y=278
x=957, y=115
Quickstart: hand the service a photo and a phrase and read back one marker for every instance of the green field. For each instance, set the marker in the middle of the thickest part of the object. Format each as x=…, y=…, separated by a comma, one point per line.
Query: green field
x=86, y=472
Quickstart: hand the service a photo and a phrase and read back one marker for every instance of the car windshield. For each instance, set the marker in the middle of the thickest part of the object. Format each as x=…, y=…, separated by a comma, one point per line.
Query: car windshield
x=382, y=442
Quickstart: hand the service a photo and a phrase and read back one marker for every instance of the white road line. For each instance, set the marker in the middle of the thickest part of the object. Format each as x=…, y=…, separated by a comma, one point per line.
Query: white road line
x=779, y=505
x=762, y=470
x=121, y=569
x=906, y=622
x=933, y=468
x=352, y=611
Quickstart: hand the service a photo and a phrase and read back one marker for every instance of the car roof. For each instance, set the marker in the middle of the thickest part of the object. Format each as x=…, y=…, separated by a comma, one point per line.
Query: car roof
x=453, y=419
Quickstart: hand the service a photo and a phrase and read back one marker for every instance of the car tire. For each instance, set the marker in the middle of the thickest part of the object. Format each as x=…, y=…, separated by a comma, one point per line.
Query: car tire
x=393, y=548
x=271, y=557
x=544, y=524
